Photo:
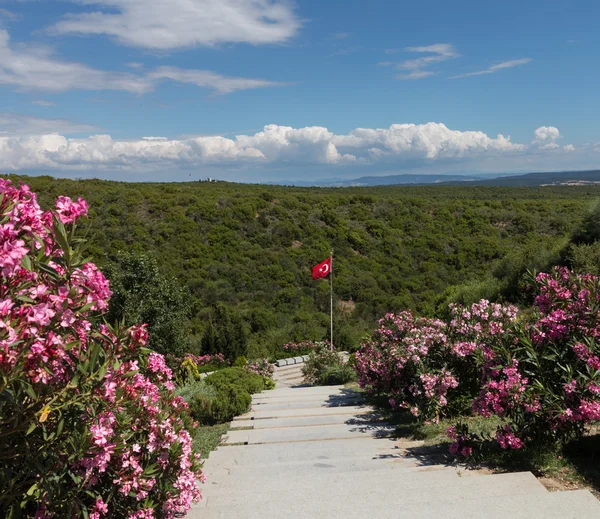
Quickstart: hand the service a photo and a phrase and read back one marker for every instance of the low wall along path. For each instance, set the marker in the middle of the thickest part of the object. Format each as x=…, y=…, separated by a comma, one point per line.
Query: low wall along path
x=320, y=452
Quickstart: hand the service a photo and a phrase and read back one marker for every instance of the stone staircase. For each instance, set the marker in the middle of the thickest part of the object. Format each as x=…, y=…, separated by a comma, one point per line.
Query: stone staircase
x=319, y=452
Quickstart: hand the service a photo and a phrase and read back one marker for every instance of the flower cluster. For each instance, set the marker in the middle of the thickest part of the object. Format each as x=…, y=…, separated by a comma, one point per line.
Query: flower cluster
x=261, y=367
x=419, y=363
x=540, y=374
x=304, y=347
x=93, y=421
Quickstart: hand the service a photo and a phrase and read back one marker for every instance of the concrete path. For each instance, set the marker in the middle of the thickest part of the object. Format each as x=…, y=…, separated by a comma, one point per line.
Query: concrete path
x=319, y=452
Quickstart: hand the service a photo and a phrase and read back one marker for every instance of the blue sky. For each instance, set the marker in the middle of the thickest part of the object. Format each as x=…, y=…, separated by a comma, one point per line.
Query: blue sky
x=263, y=90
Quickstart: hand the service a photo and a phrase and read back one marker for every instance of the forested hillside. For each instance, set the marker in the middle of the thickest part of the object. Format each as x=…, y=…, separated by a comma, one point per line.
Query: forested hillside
x=251, y=247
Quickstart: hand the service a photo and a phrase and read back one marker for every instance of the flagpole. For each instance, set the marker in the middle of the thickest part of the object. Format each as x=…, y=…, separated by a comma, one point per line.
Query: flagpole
x=331, y=298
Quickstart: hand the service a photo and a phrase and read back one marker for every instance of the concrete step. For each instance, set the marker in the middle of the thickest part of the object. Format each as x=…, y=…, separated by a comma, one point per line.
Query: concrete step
x=323, y=399
x=458, y=488
x=300, y=421
x=310, y=411
x=296, y=483
x=309, y=433
x=306, y=390
x=319, y=451
x=363, y=465
x=335, y=401
x=579, y=504
x=289, y=367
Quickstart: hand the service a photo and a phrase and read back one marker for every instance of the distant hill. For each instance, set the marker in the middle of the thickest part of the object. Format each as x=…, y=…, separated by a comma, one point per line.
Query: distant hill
x=561, y=178
x=393, y=180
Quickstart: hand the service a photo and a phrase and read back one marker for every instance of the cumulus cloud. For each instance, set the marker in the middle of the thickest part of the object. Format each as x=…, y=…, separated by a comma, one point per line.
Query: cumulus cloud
x=35, y=68
x=495, y=68
x=546, y=134
x=274, y=145
x=156, y=24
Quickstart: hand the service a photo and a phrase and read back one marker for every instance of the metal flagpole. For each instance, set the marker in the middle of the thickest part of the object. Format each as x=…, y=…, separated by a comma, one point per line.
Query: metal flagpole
x=331, y=297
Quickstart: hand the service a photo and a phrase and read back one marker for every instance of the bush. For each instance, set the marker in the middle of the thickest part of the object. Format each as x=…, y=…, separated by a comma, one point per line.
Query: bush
x=241, y=377
x=232, y=388
x=229, y=401
x=240, y=362
x=196, y=388
x=421, y=364
x=326, y=367
x=337, y=374
x=88, y=416
x=540, y=374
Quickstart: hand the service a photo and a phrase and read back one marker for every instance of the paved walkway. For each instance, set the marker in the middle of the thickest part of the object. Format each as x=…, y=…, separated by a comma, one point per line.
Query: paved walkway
x=318, y=452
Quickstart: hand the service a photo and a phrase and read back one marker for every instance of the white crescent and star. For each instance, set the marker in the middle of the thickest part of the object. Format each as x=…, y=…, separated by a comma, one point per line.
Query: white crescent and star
x=324, y=269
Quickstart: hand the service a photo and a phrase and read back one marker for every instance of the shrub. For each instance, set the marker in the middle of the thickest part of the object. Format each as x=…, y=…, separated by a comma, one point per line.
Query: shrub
x=337, y=374
x=88, y=417
x=196, y=388
x=421, y=364
x=241, y=377
x=261, y=367
x=546, y=384
x=229, y=401
x=240, y=362
x=326, y=367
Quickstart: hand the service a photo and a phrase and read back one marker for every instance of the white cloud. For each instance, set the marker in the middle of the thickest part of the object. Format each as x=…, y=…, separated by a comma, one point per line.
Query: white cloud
x=440, y=52
x=19, y=125
x=418, y=67
x=547, y=134
x=204, y=78
x=495, y=68
x=35, y=68
x=42, y=102
x=274, y=145
x=569, y=147
x=415, y=74
x=164, y=25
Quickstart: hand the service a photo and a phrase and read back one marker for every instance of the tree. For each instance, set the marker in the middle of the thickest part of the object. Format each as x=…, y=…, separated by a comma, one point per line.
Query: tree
x=142, y=294
x=225, y=334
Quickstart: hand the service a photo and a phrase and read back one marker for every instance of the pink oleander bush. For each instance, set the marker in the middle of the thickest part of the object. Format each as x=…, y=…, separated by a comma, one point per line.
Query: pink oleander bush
x=538, y=373
x=261, y=367
x=89, y=423
x=430, y=366
x=546, y=384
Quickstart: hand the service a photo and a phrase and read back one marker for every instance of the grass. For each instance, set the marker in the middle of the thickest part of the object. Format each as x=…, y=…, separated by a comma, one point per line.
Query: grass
x=576, y=465
x=208, y=437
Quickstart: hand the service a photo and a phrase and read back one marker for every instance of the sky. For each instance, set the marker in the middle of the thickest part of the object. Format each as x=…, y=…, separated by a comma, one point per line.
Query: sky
x=283, y=90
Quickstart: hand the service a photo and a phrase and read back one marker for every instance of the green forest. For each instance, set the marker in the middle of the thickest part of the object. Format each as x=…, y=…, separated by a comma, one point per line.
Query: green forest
x=179, y=254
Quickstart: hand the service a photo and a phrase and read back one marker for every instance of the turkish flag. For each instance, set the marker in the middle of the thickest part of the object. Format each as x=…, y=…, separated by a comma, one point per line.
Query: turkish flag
x=322, y=269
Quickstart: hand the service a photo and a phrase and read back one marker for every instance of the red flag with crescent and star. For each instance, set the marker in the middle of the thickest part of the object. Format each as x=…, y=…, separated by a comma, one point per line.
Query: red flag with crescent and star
x=322, y=269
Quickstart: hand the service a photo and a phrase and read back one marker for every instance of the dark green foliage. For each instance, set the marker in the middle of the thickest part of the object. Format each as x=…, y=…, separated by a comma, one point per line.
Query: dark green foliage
x=241, y=377
x=336, y=374
x=230, y=401
x=141, y=294
x=232, y=389
x=251, y=247
x=325, y=367
x=225, y=335
x=589, y=230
